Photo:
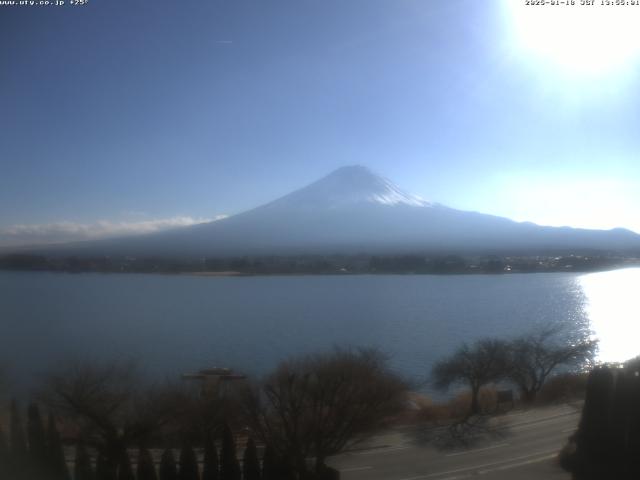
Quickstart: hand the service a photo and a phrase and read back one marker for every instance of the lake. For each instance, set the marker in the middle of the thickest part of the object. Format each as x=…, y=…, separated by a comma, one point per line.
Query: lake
x=176, y=324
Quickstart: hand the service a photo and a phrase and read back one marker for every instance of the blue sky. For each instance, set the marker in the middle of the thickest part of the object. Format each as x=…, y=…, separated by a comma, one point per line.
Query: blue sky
x=124, y=115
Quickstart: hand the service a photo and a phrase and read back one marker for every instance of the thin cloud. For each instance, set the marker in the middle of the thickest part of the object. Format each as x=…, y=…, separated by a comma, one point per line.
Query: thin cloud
x=59, y=232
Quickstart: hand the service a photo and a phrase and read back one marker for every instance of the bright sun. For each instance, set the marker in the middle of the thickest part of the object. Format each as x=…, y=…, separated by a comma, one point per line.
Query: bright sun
x=578, y=39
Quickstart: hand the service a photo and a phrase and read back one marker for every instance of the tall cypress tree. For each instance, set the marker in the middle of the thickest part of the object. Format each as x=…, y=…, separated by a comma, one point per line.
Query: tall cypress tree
x=210, y=469
x=168, y=470
x=634, y=422
x=125, y=472
x=4, y=456
x=251, y=464
x=57, y=464
x=188, y=464
x=82, y=468
x=619, y=423
x=274, y=466
x=269, y=464
x=592, y=438
x=146, y=469
x=103, y=469
x=230, y=468
x=17, y=440
x=37, y=440
x=18, y=444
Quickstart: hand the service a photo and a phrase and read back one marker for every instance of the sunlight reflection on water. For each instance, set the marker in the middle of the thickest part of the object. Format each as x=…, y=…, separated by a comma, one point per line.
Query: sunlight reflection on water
x=612, y=301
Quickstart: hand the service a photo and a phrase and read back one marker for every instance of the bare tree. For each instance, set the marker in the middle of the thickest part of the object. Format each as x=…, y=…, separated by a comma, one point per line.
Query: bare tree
x=473, y=365
x=108, y=406
x=533, y=357
x=318, y=405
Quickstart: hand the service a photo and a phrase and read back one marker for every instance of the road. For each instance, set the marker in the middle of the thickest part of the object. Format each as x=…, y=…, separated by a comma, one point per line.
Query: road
x=520, y=445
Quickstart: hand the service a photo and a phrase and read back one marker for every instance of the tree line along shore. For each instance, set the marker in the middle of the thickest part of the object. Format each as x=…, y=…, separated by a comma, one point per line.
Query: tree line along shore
x=325, y=264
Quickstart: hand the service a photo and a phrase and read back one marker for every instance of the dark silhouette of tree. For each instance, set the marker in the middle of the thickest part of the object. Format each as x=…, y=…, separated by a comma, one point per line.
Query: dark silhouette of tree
x=269, y=464
x=19, y=453
x=168, y=469
x=188, y=464
x=473, y=365
x=591, y=460
x=251, y=463
x=110, y=406
x=146, y=470
x=82, y=466
x=125, y=472
x=200, y=412
x=318, y=405
x=4, y=455
x=24, y=262
x=104, y=469
x=533, y=357
x=56, y=459
x=607, y=442
x=229, y=466
x=37, y=441
x=275, y=466
x=210, y=469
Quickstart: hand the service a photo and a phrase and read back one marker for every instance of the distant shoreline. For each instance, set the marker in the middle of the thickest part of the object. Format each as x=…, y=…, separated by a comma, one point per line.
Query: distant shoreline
x=353, y=274
x=236, y=274
x=216, y=274
x=336, y=264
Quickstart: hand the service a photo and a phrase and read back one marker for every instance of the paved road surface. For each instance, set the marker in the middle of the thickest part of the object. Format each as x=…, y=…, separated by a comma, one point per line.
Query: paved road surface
x=520, y=445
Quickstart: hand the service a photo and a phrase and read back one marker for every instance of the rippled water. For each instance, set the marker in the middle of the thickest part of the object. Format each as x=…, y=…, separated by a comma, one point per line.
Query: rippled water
x=174, y=324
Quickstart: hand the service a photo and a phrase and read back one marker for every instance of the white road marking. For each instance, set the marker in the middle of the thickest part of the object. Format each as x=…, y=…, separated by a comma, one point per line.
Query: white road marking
x=381, y=450
x=356, y=469
x=520, y=464
x=549, y=454
x=540, y=420
x=529, y=426
x=476, y=450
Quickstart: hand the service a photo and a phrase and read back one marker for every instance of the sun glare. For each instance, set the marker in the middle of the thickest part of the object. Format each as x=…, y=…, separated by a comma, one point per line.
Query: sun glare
x=612, y=303
x=580, y=39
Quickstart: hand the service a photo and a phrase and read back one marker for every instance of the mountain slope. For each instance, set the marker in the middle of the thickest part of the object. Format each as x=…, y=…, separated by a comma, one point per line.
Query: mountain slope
x=353, y=210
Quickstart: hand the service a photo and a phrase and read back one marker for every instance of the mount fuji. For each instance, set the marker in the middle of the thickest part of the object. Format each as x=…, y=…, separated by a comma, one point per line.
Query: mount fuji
x=353, y=210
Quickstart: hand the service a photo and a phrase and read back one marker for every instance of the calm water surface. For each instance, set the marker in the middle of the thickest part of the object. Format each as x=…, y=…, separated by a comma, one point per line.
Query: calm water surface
x=175, y=324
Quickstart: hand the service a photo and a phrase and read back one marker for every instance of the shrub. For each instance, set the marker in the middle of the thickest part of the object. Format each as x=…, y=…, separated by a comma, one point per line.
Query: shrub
x=460, y=404
x=82, y=468
x=251, y=464
x=229, y=468
x=168, y=470
x=56, y=460
x=37, y=440
x=563, y=387
x=146, y=469
x=210, y=470
x=125, y=472
x=188, y=464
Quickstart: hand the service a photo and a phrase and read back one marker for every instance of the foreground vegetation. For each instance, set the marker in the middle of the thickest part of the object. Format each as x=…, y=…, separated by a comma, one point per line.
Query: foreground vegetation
x=607, y=442
x=283, y=427
x=525, y=362
x=308, y=409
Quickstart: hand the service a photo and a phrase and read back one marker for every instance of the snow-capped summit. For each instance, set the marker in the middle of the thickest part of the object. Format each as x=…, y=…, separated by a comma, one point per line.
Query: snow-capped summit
x=349, y=186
